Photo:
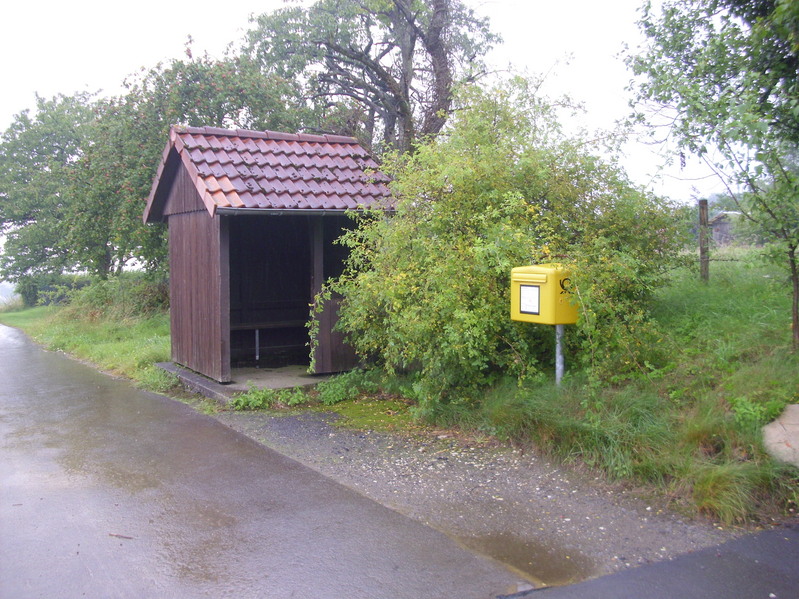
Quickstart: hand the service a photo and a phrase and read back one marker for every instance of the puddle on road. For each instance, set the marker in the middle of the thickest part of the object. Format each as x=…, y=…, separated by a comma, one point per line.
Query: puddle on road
x=538, y=563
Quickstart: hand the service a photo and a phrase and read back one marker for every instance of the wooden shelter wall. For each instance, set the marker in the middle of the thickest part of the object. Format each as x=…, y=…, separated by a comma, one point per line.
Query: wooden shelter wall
x=332, y=353
x=199, y=307
x=183, y=195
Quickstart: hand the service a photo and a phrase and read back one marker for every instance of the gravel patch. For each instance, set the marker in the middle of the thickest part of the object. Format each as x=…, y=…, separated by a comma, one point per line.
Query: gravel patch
x=551, y=523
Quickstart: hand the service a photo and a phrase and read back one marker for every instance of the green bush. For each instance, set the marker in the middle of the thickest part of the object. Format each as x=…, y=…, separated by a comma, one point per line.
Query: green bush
x=690, y=424
x=427, y=290
x=753, y=414
x=123, y=296
x=48, y=289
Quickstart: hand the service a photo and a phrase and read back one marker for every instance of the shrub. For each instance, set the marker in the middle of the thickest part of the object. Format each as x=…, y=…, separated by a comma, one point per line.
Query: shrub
x=427, y=291
x=48, y=289
x=123, y=296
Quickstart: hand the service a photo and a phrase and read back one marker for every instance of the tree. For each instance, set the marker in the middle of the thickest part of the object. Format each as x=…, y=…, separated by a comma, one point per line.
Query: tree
x=114, y=174
x=397, y=60
x=74, y=175
x=725, y=75
x=37, y=154
x=427, y=290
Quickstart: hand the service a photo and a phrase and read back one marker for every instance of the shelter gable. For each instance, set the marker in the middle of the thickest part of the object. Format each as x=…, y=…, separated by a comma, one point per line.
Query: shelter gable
x=182, y=197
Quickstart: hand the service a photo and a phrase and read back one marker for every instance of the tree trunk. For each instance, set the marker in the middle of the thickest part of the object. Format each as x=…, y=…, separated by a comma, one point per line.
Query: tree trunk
x=104, y=264
x=405, y=38
x=434, y=41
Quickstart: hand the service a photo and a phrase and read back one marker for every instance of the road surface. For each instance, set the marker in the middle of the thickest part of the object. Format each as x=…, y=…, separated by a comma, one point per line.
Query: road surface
x=108, y=491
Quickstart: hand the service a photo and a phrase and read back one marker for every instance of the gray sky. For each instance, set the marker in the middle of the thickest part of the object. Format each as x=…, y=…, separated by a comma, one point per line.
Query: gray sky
x=50, y=47
x=6, y=291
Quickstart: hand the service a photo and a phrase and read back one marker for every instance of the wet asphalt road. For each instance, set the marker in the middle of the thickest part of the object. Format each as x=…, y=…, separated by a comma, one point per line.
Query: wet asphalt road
x=107, y=491
x=757, y=566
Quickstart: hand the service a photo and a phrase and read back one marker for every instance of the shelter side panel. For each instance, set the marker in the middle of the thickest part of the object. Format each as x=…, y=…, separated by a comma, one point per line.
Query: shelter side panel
x=195, y=294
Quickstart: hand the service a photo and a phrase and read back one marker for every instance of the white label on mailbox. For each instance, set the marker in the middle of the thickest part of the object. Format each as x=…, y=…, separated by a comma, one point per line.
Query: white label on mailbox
x=529, y=299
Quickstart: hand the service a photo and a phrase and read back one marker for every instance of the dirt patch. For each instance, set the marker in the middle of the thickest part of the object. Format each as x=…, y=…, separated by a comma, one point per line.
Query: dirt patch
x=554, y=524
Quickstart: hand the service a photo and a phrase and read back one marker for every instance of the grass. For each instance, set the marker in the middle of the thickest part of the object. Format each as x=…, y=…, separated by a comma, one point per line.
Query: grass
x=31, y=320
x=356, y=396
x=375, y=414
x=688, y=429
x=11, y=304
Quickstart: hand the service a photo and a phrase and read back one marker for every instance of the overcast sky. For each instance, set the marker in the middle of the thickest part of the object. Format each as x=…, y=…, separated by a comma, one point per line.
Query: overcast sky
x=51, y=47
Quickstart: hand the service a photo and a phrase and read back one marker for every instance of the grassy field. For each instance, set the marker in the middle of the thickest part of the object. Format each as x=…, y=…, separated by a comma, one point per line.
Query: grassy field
x=687, y=428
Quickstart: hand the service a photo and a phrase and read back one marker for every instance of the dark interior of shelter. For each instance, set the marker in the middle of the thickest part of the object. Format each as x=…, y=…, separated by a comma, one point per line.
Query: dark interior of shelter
x=273, y=280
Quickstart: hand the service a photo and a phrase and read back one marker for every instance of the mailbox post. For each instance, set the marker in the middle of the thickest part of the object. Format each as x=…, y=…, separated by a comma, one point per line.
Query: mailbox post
x=541, y=294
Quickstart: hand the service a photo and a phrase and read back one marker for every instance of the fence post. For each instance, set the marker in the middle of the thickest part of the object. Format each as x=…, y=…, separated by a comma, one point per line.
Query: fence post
x=704, y=253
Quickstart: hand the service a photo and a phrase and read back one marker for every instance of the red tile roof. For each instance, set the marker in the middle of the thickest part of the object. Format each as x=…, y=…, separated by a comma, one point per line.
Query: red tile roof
x=271, y=170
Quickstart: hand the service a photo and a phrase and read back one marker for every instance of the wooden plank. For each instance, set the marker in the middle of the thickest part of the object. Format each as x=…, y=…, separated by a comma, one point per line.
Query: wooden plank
x=196, y=295
x=321, y=355
x=332, y=354
x=182, y=197
x=281, y=324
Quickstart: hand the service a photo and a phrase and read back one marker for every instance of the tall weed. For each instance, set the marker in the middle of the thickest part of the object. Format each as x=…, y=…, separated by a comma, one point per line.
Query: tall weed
x=128, y=295
x=256, y=398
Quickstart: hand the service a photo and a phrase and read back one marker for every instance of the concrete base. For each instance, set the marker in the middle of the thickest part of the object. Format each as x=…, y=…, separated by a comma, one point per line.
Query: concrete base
x=286, y=377
x=781, y=437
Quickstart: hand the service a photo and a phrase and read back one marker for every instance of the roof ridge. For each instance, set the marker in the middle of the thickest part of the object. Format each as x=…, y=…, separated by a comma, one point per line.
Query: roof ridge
x=266, y=134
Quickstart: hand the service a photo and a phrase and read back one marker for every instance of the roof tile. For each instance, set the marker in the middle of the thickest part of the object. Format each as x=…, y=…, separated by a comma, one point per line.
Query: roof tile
x=273, y=170
x=212, y=184
x=223, y=157
x=248, y=200
x=220, y=199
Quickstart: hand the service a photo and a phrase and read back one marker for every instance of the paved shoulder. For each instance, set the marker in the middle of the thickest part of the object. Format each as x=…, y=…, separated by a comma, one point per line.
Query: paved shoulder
x=763, y=565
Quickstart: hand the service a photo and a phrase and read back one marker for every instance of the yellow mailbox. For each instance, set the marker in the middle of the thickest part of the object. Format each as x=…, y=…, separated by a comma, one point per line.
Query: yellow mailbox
x=541, y=294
